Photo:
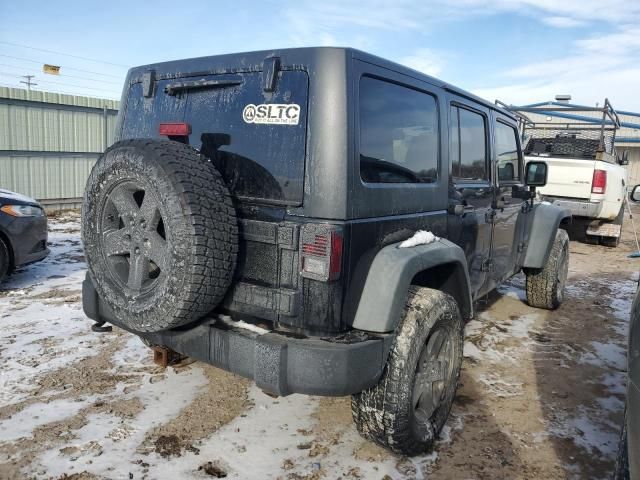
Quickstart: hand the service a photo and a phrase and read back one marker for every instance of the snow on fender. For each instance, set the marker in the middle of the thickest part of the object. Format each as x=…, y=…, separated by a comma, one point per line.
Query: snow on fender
x=421, y=237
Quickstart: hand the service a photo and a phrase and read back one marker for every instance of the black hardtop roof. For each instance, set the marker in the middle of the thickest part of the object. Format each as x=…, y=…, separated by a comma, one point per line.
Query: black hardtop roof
x=248, y=61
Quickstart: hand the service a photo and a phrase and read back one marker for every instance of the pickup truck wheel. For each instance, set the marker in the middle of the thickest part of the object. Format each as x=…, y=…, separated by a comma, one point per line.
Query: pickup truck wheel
x=407, y=409
x=4, y=260
x=614, y=241
x=160, y=233
x=545, y=286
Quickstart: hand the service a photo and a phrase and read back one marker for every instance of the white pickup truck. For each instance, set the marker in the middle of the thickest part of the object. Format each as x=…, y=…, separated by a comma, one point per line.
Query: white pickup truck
x=585, y=174
x=593, y=190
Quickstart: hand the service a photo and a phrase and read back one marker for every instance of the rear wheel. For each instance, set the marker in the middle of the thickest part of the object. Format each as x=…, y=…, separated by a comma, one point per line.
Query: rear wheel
x=4, y=260
x=545, y=286
x=406, y=411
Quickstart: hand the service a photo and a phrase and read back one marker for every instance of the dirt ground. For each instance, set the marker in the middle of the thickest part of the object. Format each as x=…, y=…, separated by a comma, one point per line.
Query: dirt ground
x=541, y=393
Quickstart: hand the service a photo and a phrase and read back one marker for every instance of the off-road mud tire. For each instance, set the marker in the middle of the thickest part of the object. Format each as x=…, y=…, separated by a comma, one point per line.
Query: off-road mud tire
x=199, y=223
x=545, y=286
x=385, y=413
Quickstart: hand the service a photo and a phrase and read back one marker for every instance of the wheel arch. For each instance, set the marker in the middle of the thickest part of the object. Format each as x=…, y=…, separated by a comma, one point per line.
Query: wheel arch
x=542, y=227
x=440, y=265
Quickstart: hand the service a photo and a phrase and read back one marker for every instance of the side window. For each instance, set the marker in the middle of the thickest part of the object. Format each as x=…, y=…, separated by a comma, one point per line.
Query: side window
x=398, y=134
x=507, y=153
x=468, y=152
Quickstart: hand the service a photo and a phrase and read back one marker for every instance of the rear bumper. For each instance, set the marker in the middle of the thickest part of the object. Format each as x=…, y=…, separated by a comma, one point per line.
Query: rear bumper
x=577, y=207
x=278, y=363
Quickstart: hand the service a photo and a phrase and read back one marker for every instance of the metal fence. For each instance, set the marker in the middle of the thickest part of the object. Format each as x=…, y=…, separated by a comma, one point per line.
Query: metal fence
x=49, y=143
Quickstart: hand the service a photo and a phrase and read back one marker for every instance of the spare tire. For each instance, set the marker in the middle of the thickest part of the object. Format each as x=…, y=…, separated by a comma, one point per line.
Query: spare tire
x=160, y=233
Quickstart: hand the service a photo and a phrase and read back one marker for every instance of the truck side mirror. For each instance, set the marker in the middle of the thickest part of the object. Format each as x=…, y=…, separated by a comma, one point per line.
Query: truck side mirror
x=624, y=159
x=535, y=174
x=634, y=196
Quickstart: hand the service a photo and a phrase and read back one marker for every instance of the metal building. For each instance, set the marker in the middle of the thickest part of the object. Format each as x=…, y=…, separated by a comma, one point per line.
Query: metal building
x=50, y=141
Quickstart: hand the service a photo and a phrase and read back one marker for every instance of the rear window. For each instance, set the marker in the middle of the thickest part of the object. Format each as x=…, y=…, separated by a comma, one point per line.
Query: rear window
x=507, y=153
x=255, y=138
x=398, y=134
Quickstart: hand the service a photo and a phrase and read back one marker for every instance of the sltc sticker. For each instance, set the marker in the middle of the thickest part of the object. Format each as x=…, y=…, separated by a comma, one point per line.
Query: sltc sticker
x=272, y=113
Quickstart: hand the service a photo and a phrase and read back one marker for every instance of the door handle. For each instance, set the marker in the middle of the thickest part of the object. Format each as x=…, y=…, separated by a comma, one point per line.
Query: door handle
x=461, y=210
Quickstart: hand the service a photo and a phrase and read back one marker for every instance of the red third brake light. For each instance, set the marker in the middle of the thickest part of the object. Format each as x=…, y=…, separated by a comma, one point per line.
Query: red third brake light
x=599, y=183
x=175, y=129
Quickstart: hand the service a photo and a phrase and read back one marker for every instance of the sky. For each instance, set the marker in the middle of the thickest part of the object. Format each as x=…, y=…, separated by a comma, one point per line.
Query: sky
x=518, y=51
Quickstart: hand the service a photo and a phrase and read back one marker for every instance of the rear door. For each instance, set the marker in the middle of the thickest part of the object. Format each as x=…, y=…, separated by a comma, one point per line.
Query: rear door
x=470, y=190
x=508, y=212
x=256, y=138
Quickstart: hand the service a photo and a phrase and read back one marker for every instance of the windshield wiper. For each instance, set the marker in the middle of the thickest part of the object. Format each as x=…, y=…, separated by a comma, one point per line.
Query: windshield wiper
x=174, y=88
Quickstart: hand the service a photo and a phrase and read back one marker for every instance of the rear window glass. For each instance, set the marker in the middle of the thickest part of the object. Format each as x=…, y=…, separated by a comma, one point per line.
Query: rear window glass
x=507, y=153
x=256, y=139
x=468, y=151
x=398, y=134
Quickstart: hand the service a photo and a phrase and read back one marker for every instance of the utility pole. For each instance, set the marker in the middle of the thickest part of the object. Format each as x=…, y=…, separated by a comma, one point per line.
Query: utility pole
x=29, y=82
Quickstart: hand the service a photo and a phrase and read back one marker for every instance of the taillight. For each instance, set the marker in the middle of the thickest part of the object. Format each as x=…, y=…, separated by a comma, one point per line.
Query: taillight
x=599, y=183
x=321, y=252
x=175, y=129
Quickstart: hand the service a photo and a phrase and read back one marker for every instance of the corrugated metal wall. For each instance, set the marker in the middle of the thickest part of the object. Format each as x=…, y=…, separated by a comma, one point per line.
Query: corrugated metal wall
x=633, y=169
x=49, y=143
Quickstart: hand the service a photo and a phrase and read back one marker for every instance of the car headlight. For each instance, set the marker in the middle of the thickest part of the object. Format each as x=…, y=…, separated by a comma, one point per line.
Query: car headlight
x=22, y=210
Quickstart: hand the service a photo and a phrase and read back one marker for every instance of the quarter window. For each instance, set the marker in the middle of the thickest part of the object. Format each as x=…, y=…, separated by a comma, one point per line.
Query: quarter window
x=398, y=134
x=507, y=153
x=468, y=145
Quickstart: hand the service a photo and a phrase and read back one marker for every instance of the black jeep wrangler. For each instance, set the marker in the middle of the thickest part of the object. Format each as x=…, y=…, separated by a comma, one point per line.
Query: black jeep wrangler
x=251, y=212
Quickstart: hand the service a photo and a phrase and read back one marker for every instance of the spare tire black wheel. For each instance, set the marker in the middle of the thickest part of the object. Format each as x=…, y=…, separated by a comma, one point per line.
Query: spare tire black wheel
x=160, y=233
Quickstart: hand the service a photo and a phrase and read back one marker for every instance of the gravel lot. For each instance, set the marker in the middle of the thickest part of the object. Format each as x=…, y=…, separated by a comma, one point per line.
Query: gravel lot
x=541, y=393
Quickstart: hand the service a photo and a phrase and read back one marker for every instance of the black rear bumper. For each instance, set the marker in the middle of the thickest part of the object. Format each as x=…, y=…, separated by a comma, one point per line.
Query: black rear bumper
x=279, y=364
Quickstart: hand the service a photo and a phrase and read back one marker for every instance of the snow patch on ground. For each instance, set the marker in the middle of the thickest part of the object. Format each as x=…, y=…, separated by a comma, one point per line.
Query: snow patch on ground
x=24, y=422
x=119, y=439
x=40, y=336
x=485, y=334
x=600, y=437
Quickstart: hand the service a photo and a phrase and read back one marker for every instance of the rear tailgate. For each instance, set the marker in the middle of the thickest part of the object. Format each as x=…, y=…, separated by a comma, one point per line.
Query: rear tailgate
x=257, y=140
x=568, y=177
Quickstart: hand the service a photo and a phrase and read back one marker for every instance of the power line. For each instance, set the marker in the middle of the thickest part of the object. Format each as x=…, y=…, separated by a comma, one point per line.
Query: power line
x=15, y=67
x=65, y=67
x=65, y=54
x=50, y=90
x=56, y=83
x=89, y=90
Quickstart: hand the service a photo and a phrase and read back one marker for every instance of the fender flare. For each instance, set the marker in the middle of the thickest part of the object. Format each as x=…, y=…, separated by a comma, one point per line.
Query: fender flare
x=542, y=227
x=392, y=270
